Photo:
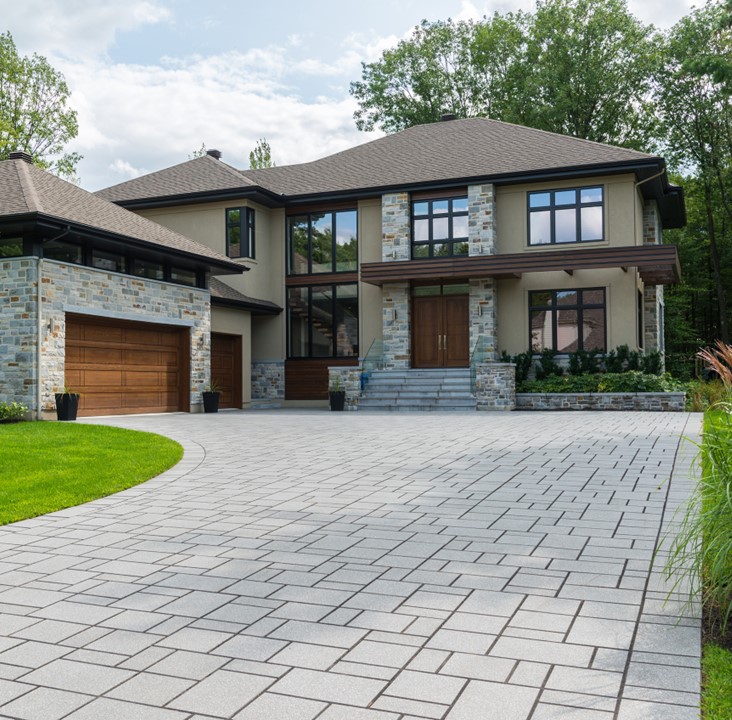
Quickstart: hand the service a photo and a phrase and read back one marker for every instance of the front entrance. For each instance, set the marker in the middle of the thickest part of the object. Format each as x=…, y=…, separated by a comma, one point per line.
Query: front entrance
x=440, y=329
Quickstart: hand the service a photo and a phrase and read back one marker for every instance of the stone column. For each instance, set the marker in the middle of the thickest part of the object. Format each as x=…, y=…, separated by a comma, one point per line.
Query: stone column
x=481, y=220
x=495, y=386
x=652, y=295
x=396, y=247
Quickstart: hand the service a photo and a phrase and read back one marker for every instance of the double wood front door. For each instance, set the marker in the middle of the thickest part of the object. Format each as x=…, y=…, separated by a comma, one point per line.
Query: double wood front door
x=440, y=331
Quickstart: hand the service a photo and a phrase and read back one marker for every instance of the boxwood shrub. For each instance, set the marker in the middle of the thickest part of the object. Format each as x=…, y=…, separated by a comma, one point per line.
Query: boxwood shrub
x=626, y=382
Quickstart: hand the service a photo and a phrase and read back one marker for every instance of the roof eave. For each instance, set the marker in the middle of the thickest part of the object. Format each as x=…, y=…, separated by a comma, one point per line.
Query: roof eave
x=258, y=194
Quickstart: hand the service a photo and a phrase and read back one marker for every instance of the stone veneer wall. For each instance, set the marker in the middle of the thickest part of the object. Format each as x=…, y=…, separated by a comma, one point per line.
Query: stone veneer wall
x=88, y=291
x=652, y=294
x=482, y=315
x=268, y=380
x=18, y=331
x=395, y=227
x=396, y=328
x=656, y=402
x=495, y=386
x=481, y=224
x=350, y=381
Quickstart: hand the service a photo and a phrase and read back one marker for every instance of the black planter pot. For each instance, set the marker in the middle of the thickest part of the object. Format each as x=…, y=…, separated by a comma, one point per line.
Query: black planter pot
x=211, y=402
x=67, y=405
x=337, y=399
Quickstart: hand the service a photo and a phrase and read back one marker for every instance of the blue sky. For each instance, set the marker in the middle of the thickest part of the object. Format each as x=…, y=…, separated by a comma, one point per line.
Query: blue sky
x=154, y=79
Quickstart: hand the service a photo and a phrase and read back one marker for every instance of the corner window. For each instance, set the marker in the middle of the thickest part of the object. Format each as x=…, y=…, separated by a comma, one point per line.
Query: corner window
x=322, y=242
x=148, y=269
x=11, y=247
x=567, y=320
x=183, y=276
x=64, y=252
x=439, y=228
x=322, y=321
x=108, y=261
x=566, y=216
x=240, y=232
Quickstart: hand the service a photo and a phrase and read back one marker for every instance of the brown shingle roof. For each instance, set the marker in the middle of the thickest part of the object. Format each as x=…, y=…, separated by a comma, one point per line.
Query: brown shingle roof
x=203, y=174
x=444, y=151
x=25, y=189
x=222, y=291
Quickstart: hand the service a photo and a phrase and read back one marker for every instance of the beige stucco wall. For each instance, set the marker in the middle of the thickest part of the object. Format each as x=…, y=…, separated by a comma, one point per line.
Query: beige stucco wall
x=620, y=299
x=236, y=322
x=622, y=214
x=206, y=223
x=369, y=250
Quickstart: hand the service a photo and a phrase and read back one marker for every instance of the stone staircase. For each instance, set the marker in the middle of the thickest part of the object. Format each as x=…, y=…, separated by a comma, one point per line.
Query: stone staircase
x=442, y=390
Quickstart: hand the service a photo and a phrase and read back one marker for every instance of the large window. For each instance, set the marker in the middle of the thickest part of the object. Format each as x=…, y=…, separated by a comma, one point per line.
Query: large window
x=566, y=216
x=439, y=228
x=322, y=321
x=567, y=320
x=240, y=232
x=322, y=242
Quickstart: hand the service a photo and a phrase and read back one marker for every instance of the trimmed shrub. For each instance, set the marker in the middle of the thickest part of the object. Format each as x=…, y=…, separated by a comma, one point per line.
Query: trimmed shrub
x=12, y=412
x=627, y=382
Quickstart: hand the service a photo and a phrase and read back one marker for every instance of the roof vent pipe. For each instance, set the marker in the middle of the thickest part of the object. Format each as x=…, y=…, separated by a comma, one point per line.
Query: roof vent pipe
x=216, y=154
x=20, y=155
x=447, y=116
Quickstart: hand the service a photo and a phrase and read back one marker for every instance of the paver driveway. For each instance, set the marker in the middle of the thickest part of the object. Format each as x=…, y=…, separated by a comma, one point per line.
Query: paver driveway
x=361, y=567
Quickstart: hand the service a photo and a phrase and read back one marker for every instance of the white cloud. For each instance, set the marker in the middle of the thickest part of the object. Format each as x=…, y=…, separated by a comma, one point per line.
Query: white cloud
x=125, y=170
x=77, y=28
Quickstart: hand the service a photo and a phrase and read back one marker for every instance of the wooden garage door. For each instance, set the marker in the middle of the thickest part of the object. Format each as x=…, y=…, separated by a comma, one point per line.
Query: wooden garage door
x=124, y=367
x=226, y=368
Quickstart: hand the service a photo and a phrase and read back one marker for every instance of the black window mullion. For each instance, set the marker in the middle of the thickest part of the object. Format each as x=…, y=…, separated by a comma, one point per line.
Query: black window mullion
x=310, y=245
x=310, y=323
x=333, y=320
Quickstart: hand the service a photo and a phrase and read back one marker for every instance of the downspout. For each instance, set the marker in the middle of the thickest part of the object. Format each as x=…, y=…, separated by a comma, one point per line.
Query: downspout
x=39, y=336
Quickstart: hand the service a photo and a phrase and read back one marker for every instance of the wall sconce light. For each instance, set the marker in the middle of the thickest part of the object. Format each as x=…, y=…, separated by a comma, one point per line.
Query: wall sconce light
x=52, y=326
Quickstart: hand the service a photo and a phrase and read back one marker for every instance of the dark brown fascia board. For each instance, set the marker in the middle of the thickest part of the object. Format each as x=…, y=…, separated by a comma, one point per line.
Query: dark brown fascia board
x=254, y=307
x=90, y=232
x=659, y=260
x=257, y=194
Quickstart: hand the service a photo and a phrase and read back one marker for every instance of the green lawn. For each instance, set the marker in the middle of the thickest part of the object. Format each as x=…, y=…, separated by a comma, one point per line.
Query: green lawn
x=717, y=673
x=47, y=466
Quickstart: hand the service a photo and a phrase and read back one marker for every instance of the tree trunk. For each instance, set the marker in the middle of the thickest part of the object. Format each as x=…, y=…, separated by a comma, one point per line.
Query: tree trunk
x=716, y=265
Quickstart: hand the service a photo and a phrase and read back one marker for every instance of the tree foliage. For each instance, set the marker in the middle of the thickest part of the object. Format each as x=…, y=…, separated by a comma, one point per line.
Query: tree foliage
x=261, y=156
x=34, y=112
x=579, y=67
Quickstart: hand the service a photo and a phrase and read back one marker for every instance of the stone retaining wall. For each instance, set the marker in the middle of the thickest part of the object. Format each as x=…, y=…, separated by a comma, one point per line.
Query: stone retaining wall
x=495, y=386
x=651, y=401
x=268, y=380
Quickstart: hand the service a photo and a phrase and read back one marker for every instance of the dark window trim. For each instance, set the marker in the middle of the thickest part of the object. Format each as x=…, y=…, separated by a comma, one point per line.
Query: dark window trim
x=289, y=247
x=553, y=207
x=309, y=288
x=450, y=241
x=580, y=307
x=246, y=225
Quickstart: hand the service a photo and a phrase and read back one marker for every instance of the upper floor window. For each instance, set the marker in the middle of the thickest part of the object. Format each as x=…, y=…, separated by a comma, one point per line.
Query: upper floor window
x=566, y=216
x=567, y=320
x=322, y=242
x=439, y=228
x=11, y=247
x=240, y=232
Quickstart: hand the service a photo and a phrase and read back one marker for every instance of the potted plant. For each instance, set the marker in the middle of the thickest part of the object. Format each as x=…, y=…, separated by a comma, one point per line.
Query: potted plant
x=336, y=394
x=67, y=404
x=211, y=396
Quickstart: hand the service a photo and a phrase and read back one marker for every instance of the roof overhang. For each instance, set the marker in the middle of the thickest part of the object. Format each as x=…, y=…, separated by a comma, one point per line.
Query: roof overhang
x=39, y=223
x=255, y=194
x=255, y=307
x=656, y=264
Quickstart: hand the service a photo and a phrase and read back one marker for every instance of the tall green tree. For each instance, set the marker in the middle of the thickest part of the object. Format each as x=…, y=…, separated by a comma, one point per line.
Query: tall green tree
x=34, y=112
x=695, y=109
x=463, y=68
x=579, y=67
x=261, y=156
x=588, y=70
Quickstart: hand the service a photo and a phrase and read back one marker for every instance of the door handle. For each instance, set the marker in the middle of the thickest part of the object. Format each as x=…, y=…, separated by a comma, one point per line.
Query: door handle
x=444, y=342
x=439, y=343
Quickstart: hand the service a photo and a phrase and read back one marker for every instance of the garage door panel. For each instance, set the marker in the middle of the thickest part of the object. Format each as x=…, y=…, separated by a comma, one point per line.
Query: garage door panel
x=121, y=367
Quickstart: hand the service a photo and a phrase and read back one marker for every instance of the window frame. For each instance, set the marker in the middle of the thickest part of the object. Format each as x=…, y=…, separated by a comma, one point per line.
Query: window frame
x=246, y=226
x=309, y=215
x=430, y=217
x=580, y=307
x=334, y=320
x=552, y=209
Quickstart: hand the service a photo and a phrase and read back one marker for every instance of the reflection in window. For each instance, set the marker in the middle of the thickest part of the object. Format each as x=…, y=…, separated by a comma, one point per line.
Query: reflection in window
x=439, y=228
x=566, y=216
x=64, y=252
x=323, y=242
x=323, y=321
x=147, y=269
x=240, y=232
x=11, y=247
x=567, y=320
x=183, y=276
x=113, y=262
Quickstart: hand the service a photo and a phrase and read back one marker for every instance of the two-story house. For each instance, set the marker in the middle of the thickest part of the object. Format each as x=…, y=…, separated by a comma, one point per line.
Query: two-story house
x=425, y=242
